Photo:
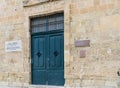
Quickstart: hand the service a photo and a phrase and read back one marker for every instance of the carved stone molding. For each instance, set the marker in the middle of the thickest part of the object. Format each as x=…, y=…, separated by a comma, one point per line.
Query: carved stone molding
x=34, y=2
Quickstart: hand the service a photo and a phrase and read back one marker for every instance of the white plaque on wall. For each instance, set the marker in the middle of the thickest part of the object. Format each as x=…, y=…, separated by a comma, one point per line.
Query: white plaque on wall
x=11, y=46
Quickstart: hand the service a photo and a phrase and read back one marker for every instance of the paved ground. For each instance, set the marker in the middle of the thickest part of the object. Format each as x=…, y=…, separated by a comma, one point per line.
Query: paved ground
x=31, y=86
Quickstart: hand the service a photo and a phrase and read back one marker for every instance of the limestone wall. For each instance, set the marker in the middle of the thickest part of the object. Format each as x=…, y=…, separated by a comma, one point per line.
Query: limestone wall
x=94, y=20
x=14, y=66
x=97, y=21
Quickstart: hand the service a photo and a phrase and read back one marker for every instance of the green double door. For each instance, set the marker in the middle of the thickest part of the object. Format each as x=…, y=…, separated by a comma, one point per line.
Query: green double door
x=48, y=59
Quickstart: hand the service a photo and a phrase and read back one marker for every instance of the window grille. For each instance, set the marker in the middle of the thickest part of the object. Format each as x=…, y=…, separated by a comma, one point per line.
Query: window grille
x=47, y=23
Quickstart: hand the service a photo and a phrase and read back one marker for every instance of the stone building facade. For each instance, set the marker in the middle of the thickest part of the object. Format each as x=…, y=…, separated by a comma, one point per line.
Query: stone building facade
x=91, y=41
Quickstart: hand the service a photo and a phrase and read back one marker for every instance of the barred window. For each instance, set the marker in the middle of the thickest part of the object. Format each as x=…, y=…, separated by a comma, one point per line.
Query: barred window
x=47, y=23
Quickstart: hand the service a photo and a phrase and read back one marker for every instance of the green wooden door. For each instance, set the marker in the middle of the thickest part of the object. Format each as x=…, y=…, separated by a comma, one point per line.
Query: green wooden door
x=48, y=59
x=47, y=50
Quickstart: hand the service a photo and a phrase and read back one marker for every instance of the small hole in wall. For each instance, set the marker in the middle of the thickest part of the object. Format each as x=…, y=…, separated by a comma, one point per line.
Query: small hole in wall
x=73, y=68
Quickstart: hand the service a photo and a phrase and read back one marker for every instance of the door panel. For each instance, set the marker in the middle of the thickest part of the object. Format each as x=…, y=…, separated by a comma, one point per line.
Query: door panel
x=51, y=50
x=56, y=62
x=39, y=77
x=38, y=52
x=38, y=61
x=35, y=49
x=41, y=53
x=56, y=51
x=59, y=51
x=56, y=77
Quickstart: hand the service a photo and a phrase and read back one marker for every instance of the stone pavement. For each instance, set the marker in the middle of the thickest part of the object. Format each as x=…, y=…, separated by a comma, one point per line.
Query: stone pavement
x=31, y=86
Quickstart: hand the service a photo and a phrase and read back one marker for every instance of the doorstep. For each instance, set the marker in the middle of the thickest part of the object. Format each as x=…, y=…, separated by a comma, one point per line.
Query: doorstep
x=45, y=86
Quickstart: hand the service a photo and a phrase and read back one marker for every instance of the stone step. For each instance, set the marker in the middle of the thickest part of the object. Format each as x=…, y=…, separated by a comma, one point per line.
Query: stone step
x=45, y=86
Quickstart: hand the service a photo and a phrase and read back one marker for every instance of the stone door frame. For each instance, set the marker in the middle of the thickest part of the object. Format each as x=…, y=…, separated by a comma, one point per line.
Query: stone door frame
x=66, y=38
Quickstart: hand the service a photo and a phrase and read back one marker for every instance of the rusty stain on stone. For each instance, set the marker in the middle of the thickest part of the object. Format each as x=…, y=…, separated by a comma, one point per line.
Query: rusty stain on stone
x=82, y=53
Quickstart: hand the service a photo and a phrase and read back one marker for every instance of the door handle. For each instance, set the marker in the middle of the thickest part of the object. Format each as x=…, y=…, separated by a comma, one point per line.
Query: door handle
x=56, y=53
x=38, y=53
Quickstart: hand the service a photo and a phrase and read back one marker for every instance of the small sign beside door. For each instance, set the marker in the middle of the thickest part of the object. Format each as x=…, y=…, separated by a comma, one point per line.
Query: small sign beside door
x=11, y=46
